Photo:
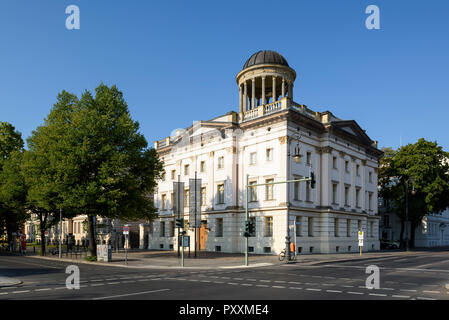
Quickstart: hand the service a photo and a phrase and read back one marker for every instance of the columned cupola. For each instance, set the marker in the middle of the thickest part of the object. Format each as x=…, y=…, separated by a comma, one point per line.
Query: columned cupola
x=266, y=78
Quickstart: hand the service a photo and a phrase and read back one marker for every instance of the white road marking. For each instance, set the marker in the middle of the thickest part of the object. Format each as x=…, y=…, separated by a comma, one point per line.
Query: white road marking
x=295, y=288
x=278, y=287
x=262, y=285
x=97, y=284
x=312, y=289
x=352, y=292
x=130, y=294
x=45, y=289
x=334, y=291
x=378, y=294
x=427, y=291
x=398, y=296
x=424, y=298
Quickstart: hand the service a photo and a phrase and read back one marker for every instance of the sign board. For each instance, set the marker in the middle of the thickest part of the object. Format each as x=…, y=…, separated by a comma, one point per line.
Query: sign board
x=186, y=241
x=360, y=238
x=46, y=233
x=126, y=229
x=195, y=203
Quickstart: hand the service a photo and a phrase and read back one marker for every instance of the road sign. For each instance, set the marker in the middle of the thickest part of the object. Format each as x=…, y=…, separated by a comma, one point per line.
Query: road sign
x=46, y=233
x=360, y=235
x=125, y=229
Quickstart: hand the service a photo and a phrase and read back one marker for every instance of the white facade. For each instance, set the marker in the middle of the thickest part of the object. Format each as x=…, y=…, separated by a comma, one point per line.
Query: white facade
x=260, y=142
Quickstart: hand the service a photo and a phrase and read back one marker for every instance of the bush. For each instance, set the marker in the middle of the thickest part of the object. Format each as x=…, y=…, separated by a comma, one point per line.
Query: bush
x=91, y=258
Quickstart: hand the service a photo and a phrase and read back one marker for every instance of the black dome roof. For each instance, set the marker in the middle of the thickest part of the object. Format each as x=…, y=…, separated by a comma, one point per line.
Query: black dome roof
x=265, y=57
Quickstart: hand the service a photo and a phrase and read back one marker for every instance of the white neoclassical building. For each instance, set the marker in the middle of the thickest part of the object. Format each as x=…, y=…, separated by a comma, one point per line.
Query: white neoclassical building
x=260, y=142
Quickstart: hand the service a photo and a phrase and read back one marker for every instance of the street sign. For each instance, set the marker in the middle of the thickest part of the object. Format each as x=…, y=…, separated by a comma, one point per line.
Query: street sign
x=126, y=229
x=186, y=241
x=360, y=235
x=46, y=233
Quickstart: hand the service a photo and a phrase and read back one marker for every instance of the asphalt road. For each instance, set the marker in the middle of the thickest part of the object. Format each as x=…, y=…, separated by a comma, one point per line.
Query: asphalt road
x=415, y=276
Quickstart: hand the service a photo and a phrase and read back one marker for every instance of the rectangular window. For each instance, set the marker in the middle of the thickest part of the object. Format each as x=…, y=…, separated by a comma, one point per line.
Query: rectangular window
x=203, y=166
x=298, y=226
x=334, y=162
x=219, y=227
x=172, y=200
x=268, y=227
x=370, y=175
x=163, y=176
x=308, y=191
x=371, y=229
x=346, y=196
x=348, y=227
x=357, y=197
x=370, y=201
x=220, y=162
x=252, y=158
x=164, y=202
x=357, y=170
x=359, y=225
x=220, y=194
x=310, y=226
x=347, y=166
x=162, y=229
x=269, y=154
x=173, y=174
x=186, y=170
x=252, y=191
x=336, y=227
x=253, y=221
x=334, y=193
x=297, y=189
x=172, y=228
x=269, y=190
x=186, y=198
x=203, y=196
x=309, y=158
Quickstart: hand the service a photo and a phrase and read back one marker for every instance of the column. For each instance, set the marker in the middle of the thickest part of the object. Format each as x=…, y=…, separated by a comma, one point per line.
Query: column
x=274, y=89
x=245, y=97
x=253, y=93
x=263, y=90
x=290, y=90
x=283, y=87
x=240, y=99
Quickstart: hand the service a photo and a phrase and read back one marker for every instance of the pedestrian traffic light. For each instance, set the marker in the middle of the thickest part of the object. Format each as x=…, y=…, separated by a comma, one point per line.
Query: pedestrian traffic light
x=313, y=181
x=180, y=223
x=246, y=234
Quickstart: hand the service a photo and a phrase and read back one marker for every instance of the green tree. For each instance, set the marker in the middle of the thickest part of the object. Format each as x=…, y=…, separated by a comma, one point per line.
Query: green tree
x=423, y=170
x=89, y=158
x=12, y=190
x=43, y=166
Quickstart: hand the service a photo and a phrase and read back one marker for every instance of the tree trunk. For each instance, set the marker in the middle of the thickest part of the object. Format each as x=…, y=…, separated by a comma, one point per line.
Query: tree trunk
x=42, y=253
x=91, y=236
x=401, y=237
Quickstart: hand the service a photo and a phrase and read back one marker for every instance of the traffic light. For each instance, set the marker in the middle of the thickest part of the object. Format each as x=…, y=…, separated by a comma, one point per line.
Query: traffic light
x=251, y=227
x=246, y=234
x=180, y=223
x=312, y=183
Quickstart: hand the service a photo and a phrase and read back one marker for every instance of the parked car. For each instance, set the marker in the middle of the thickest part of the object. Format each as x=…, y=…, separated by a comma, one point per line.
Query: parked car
x=385, y=244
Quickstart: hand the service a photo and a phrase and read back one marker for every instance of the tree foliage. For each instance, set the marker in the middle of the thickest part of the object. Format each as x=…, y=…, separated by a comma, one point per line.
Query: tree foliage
x=422, y=169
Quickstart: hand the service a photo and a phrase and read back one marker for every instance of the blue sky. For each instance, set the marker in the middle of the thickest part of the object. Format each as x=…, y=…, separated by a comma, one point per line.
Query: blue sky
x=176, y=61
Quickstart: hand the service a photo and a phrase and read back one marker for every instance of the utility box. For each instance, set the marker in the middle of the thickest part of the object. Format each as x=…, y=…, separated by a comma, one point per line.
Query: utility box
x=104, y=252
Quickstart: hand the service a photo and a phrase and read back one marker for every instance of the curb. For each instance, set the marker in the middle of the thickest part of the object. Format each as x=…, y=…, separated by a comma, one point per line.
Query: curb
x=254, y=265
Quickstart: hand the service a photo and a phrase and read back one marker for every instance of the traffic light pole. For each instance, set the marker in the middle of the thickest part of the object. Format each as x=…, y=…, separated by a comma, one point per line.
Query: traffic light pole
x=312, y=179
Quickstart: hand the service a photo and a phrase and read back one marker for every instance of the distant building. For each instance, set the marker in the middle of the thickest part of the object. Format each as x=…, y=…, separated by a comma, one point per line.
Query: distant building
x=261, y=141
x=432, y=232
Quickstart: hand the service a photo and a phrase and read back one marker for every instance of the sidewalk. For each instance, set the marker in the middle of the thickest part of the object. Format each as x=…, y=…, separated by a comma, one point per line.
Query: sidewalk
x=144, y=259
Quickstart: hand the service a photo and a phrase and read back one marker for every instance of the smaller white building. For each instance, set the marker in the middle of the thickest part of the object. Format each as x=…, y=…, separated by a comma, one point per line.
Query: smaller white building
x=432, y=232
